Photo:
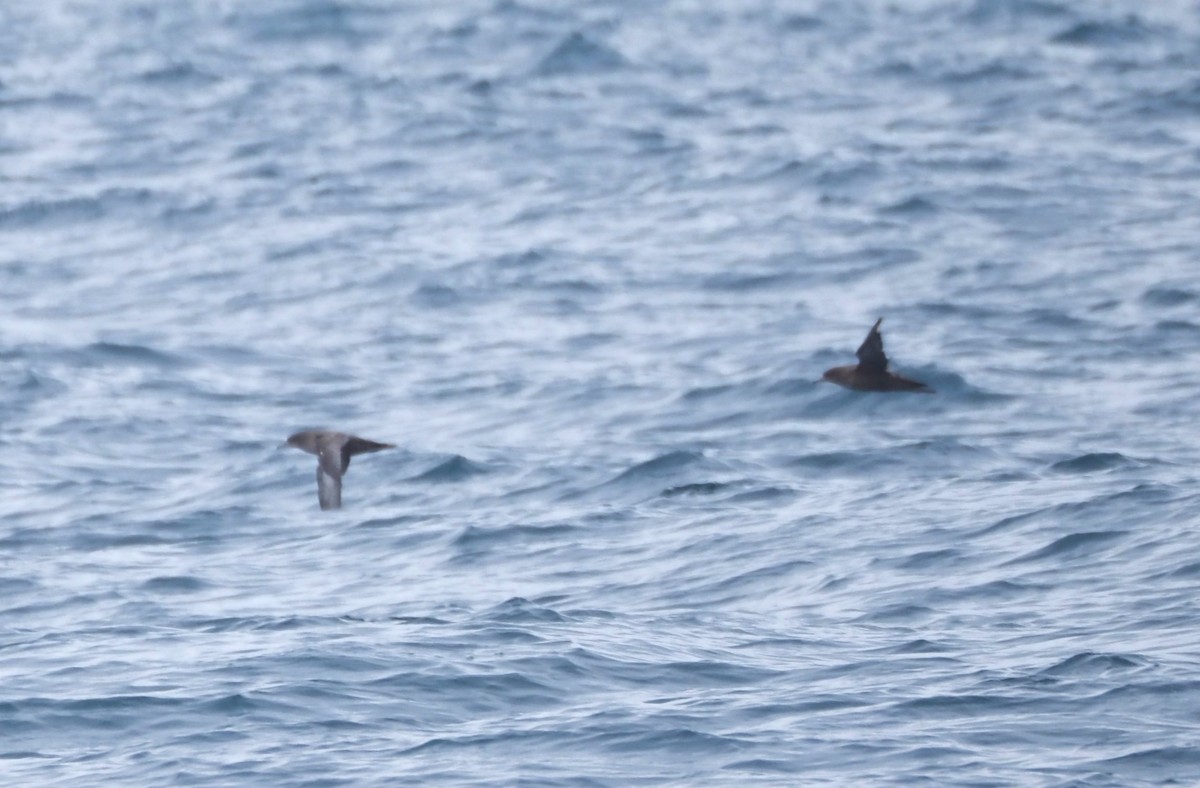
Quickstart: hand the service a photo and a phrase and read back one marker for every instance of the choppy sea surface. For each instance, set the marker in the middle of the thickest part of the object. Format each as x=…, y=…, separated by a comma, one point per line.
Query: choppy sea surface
x=584, y=263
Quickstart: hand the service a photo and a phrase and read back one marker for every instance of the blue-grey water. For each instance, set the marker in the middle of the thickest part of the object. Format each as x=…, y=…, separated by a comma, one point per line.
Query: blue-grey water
x=583, y=263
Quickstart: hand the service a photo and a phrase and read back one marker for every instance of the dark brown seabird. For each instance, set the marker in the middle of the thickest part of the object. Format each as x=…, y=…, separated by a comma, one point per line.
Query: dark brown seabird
x=333, y=450
x=871, y=371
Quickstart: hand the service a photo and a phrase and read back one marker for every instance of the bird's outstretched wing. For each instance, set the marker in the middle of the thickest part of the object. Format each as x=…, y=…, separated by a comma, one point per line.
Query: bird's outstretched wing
x=329, y=488
x=870, y=353
x=355, y=445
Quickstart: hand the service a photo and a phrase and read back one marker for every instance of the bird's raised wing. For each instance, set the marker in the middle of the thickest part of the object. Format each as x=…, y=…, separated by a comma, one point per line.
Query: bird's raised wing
x=870, y=353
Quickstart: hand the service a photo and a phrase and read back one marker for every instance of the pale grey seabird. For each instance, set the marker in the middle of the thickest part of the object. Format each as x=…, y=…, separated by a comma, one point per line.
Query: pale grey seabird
x=333, y=450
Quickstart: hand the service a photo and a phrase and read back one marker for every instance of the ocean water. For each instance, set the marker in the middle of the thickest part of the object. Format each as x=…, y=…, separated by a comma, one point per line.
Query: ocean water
x=584, y=262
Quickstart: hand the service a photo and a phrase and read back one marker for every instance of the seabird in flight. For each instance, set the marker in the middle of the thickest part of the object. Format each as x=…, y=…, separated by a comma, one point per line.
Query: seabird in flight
x=333, y=450
x=871, y=371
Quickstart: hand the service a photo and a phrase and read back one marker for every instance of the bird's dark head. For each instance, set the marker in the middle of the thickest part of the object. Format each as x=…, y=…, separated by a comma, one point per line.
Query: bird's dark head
x=838, y=375
x=305, y=441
